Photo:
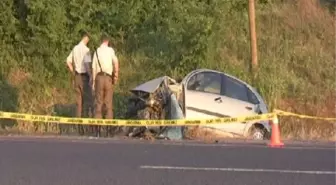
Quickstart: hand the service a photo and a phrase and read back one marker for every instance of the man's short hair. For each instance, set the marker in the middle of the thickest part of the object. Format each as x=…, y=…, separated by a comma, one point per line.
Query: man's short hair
x=105, y=37
x=84, y=34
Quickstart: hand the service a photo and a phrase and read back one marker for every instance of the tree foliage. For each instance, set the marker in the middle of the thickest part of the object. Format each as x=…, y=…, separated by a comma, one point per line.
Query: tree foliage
x=171, y=33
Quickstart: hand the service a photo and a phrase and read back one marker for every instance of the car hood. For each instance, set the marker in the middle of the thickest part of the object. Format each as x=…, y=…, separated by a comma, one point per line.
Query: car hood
x=152, y=85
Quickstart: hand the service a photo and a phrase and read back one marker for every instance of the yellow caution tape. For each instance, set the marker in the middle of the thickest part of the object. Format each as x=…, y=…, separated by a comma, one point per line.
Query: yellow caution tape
x=133, y=123
x=284, y=113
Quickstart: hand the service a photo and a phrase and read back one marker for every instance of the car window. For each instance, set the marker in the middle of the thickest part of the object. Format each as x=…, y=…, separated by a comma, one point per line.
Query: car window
x=235, y=89
x=252, y=97
x=205, y=82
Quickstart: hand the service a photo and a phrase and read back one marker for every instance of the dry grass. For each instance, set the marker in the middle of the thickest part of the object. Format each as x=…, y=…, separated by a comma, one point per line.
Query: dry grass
x=299, y=128
x=307, y=87
x=207, y=135
x=18, y=77
x=148, y=136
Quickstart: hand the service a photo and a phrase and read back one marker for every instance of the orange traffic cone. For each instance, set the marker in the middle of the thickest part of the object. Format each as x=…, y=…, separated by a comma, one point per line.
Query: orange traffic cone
x=275, y=137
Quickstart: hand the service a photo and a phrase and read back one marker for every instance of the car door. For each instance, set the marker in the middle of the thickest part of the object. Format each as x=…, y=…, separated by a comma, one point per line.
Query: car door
x=210, y=94
x=202, y=95
x=204, y=99
x=235, y=94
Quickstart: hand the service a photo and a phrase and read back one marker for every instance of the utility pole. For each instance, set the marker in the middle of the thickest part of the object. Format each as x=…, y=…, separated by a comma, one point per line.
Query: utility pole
x=253, y=35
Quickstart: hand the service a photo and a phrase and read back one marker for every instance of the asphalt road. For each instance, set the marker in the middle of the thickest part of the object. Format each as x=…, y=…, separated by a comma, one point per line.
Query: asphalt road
x=42, y=161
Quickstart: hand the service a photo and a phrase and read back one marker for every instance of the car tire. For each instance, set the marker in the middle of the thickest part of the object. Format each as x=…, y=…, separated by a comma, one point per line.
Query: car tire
x=257, y=133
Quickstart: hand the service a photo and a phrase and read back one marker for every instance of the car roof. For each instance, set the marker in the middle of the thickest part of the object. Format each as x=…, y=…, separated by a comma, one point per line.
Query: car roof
x=215, y=71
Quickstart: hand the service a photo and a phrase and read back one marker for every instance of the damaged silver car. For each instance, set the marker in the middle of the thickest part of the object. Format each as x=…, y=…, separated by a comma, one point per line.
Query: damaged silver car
x=202, y=93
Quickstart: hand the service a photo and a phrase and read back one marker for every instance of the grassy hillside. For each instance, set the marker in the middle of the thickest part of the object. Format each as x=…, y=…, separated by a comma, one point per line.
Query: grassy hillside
x=296, y=43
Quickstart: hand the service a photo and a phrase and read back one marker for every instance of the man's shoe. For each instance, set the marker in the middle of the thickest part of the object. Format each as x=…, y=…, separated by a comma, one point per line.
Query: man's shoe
x=80, y=130
x=97, y=131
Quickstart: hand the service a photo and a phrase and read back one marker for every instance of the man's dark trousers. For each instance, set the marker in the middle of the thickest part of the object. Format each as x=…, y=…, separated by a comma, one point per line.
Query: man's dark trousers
x=83, y=97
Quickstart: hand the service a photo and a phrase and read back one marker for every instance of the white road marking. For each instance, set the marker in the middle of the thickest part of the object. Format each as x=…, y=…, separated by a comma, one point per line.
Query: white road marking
x=239, y=170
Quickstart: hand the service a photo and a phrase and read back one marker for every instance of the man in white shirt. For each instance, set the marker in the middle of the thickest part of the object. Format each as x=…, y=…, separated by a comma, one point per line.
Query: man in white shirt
x=105, y=72
x=78, y=62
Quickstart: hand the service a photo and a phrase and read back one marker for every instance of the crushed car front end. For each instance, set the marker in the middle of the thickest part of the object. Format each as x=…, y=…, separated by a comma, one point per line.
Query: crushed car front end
x=156, y=99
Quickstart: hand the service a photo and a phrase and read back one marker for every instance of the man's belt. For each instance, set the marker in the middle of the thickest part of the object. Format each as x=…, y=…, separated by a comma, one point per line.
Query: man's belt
x=104, y=74
x=81, y=74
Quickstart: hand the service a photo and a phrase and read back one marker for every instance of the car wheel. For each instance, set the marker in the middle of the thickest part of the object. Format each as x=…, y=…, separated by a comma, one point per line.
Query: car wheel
x=257, y=133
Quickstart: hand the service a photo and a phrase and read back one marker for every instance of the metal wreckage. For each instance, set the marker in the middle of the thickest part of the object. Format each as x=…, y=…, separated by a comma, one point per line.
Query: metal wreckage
x=160, y=98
